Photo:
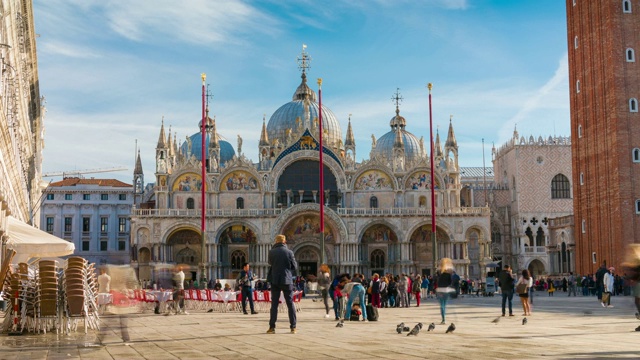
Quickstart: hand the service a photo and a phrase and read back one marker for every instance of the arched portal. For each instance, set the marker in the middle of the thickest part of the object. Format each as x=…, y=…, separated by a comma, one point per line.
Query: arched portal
x=184, y=245
x=308, y=260
x=144, y=258
x=422, y=247
x=536, y=268
x=380, y=240
x=236, y=246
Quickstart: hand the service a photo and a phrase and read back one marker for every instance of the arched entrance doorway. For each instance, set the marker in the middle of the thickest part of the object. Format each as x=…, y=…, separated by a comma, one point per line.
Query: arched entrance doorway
x=536, y=268
x=422, y=248
x=144, y=258
x=185, y=251
x=380, y=249
x=308, y=259
x=237, y=242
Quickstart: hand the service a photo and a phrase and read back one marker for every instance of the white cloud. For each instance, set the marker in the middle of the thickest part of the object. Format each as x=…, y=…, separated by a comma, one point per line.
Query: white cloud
x=68, y=50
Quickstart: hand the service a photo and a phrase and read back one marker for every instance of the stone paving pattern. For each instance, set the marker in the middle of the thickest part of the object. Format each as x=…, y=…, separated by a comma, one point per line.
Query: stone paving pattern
x=558, y=329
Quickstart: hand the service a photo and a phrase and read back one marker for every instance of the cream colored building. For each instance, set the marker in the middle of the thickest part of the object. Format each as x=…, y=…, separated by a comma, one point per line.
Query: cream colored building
x=21, y=115
x=377, y=212
x=532, y=185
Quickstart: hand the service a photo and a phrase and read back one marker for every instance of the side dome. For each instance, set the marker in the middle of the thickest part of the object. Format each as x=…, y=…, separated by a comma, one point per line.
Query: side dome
x=287, y=115
x=226, y=149
x=384, y=145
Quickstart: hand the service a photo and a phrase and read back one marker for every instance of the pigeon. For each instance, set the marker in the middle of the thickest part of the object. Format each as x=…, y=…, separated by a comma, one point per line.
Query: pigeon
x=451, y=328
x=415, y=330
x=340, y=323
x=588, y=312
x=432, y=326
x=210, y=310
x=406, y=328
x=638, y=316
x=399, y=328
x=524, y=321
x=496, y=320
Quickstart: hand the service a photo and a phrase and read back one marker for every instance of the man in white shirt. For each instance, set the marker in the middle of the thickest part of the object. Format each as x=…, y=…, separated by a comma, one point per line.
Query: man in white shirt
x=178, y=291
x=104, y=282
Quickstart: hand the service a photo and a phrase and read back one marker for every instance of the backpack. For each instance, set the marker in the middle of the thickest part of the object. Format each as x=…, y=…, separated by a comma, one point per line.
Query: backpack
x=372, y=313
x=375, y=287
x=416, y=286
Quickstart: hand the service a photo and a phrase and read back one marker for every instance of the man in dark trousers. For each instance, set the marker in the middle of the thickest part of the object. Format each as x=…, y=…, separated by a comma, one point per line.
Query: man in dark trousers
x=506, y=287
x=245, y=279
x=600, y=280
x=283, y=267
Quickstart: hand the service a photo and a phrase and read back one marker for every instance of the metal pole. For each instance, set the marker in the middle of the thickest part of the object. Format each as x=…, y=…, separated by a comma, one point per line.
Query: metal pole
x=433, y=190
x=204, y=181
x=321, y=170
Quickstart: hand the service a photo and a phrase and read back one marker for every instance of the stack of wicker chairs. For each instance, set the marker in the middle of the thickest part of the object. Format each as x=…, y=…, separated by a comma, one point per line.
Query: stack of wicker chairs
x=80, y=300
x=48, y=296
x=27, y=299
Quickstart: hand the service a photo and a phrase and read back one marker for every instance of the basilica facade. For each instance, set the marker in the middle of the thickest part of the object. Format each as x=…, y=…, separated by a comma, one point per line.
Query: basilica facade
x=377, y=212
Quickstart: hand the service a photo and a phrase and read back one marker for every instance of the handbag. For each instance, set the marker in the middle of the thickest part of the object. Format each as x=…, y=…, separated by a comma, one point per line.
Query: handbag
x=522, y=289
x=606, y=296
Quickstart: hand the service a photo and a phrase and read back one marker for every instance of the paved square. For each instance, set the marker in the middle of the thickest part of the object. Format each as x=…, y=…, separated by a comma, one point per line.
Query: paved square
x=560, y=328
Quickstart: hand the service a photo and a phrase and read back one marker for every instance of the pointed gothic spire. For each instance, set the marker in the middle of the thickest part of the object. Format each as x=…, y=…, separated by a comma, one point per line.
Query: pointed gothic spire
x=162, y=141
x=170, y=152
x=451, y=138
x=350, y=139
x=138, y=168
x=438, y=147
x=264, y=138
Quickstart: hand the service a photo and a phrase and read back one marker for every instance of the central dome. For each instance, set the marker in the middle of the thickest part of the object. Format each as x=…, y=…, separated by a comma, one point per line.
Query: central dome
x=384, y=145
x=289, y=114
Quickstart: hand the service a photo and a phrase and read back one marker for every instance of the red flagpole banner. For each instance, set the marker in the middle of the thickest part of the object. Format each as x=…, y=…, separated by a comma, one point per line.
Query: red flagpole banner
x=321, y=166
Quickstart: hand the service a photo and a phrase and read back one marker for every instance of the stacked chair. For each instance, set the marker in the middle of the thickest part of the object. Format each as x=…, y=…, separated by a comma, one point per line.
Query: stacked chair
x=48, y=296
x=80, y=294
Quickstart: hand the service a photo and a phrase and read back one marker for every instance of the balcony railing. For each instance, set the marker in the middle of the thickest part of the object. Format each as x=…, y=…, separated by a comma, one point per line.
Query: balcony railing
x=461, y=211
x=535, y=249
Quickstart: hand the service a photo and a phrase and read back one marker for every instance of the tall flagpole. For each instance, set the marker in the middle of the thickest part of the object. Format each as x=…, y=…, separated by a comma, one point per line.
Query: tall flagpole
x=321, y=170
x=204, y=181
x=433, y=189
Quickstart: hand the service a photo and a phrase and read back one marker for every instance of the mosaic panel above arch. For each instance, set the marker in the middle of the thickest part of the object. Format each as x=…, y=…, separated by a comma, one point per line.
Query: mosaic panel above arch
x=188, y=182
x=307, y=227
x=379, y=233
x=239, y=181
x=373, y=180
x=421, y=180
x=237, y=233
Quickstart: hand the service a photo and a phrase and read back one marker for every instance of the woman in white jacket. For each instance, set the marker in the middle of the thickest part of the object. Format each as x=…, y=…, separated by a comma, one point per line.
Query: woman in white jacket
x=608, y=287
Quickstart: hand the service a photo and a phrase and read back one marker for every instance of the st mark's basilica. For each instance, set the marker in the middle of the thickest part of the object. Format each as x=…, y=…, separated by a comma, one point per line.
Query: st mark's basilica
x=377, y=212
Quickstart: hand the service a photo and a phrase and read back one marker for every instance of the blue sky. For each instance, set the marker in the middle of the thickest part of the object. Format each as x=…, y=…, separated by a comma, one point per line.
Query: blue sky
x=110, y=70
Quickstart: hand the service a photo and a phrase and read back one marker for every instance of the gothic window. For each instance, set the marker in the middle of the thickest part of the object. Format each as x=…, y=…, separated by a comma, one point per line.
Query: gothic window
x=560, y=187
x=636, y=155
x=584, y=226
x=187, y=256
x=377, y=259
x=373, y=202
x=240, y=203
x=626, y=6
x=579, y=131
x=529, y=234
x=575, y=42
x=581, y=178
x=161, y=154
x=633, y=105
x=631, y=56
x=540, y=237
x=190, y=203
x=238, y=258
x=496, y=236
x=578, y=86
